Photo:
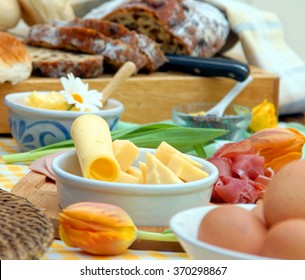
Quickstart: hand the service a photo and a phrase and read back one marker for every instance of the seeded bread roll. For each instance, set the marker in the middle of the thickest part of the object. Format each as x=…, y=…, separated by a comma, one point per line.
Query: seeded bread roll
x=15, y=60
x=85, y=40
x=152, y=51
x=180, y=26
x=56, y=64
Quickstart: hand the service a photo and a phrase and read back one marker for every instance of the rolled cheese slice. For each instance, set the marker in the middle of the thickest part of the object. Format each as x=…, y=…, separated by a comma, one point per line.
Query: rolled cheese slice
x=93, y=144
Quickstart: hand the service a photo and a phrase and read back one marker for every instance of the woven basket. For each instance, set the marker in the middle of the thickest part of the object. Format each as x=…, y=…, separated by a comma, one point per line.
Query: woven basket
x=25, y=231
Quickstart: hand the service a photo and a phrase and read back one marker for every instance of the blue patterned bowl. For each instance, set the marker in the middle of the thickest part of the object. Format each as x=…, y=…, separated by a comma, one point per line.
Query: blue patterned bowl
x=33, y=128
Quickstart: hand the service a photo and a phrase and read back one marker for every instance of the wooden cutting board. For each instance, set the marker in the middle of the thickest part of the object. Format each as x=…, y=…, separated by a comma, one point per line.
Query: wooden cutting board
x=151, y=98
x=42, y=193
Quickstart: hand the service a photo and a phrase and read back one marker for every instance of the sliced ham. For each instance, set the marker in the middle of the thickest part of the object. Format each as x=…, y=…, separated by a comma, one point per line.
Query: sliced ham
x=242, y=175
x=223, y=165
x=43, y=165
x=248, y=166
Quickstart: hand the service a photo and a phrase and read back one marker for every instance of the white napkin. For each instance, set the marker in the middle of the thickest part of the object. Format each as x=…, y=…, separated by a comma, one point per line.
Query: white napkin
x=262, y=38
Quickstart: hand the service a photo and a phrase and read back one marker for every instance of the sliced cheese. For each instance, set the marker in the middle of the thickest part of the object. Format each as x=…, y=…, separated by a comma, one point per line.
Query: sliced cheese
x=165, y=151
x=127, y=178
x=93, y=144
x=143, y=169
x=158, y=173
x=125, y=152
x=135, y=171
x=185, y=170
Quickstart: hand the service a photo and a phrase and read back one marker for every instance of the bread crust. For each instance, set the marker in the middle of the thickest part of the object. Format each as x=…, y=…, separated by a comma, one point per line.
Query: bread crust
x=151, y=50
x=41, y=11
x=180, y=26
x=15, y=60
x=56, y=63
x=86, y=40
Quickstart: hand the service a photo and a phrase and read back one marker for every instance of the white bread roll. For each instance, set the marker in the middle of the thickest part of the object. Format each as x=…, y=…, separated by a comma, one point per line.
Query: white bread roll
x=15, y=60
x=42, y=11
x=9, y=14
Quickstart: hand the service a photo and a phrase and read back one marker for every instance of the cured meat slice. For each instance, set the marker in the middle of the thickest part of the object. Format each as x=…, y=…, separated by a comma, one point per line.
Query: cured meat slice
x=248, y=166
x=242, y=175
x=43, y=165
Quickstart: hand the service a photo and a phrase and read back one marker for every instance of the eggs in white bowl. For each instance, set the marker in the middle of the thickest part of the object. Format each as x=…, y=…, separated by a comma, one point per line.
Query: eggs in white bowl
x=186, y=224
x=147, y=204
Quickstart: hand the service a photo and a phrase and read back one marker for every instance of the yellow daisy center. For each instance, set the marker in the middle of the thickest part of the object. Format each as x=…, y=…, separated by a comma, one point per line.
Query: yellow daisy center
x=77, y=97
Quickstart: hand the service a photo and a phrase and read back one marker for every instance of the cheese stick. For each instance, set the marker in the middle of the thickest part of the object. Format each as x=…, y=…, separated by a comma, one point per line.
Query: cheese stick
x=93, y=143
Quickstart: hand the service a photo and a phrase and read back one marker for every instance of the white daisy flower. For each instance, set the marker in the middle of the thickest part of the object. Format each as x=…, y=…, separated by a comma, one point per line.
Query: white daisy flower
x=77, y=94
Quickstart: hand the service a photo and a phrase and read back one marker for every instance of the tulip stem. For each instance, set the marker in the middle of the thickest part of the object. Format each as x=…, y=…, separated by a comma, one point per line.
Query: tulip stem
x=156, y=236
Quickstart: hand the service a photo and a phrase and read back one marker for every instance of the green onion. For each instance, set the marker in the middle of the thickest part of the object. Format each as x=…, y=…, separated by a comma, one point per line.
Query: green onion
x=185, y=139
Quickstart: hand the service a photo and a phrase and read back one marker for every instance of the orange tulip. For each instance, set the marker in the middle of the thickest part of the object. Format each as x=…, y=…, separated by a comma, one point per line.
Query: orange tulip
x=278, y=146
x=102, y=229
x=97, y=228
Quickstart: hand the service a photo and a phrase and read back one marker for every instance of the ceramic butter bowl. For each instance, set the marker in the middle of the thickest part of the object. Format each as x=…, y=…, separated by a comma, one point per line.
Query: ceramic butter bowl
x=33, y=128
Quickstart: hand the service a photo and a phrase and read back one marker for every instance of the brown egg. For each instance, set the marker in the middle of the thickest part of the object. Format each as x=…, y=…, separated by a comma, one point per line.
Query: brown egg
x=232, y=227
x=258, y=211
x=285, y=240
x=285, y=194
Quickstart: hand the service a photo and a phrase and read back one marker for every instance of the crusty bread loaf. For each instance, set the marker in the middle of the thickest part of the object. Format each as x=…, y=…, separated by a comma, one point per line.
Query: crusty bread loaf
x=56, y=63
x=41, y=11
x=86, y=40
x=15, y=60
x=180, y=26
x=152, y=51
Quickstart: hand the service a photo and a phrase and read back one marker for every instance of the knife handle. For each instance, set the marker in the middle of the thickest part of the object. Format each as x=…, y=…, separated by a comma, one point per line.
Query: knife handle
x=207, y=67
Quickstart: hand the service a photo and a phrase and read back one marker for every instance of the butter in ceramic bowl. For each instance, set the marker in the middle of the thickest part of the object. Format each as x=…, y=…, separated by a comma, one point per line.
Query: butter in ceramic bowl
x=33, y=128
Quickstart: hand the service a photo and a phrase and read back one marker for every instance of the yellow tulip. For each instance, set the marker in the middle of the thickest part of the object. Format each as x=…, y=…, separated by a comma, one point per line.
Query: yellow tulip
x=263, y=116
x=278, y=146
x=102, y=229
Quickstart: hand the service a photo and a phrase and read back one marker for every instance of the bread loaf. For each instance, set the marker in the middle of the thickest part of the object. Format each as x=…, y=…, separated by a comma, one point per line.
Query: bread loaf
x=55, y=63
x=41, y=11
x=152, y=51
x=15, y=60
x=180, y=26
x=85, y=40
x=9, y=14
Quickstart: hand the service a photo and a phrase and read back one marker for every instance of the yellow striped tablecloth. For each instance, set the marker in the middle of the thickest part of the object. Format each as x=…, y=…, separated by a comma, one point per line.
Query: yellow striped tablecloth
x=10, y=174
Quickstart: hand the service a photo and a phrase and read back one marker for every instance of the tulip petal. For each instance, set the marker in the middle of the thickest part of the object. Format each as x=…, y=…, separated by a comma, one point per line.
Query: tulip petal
x=97, y=228
x=279, y=162
x=278, y=146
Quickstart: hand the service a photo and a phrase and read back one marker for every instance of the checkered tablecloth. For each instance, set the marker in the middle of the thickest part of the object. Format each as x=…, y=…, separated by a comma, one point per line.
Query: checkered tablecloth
x=10, y=174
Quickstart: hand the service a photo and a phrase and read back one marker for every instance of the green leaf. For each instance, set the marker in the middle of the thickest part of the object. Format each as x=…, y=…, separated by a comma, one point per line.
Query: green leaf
x=185, y=139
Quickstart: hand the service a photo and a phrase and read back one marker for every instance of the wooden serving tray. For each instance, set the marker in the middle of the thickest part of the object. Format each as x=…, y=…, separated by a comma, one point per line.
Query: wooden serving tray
x=42, y=193
x=150, y=98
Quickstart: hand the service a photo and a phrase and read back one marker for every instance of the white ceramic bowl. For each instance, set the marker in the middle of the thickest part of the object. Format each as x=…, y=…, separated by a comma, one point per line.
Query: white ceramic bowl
x=33, y=128
x=185, y=225
x=147, y=205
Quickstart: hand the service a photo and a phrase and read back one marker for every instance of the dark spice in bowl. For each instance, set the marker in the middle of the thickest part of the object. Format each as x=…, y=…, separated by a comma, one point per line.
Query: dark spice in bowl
x=236, y=119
